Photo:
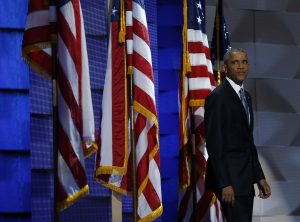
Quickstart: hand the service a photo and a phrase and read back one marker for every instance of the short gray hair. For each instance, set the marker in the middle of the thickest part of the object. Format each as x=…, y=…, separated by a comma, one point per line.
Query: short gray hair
x=233, y=50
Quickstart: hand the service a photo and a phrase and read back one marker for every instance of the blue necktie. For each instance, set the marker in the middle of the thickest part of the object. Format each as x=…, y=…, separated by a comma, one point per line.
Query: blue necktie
x=244, y=101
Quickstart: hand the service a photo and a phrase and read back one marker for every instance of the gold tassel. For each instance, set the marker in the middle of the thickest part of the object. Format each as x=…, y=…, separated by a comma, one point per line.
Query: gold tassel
x=122, y=32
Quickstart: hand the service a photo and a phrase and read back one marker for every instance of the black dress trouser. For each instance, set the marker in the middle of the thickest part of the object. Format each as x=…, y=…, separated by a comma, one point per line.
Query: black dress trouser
x=241, y=211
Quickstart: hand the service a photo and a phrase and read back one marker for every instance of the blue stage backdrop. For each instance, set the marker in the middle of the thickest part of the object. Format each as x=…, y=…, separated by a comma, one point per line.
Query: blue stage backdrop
x=26, y=115
x=15, y=179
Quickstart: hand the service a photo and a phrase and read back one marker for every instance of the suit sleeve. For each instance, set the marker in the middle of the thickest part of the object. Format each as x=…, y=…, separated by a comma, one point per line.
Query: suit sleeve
x=214, y=121
x=258, y=172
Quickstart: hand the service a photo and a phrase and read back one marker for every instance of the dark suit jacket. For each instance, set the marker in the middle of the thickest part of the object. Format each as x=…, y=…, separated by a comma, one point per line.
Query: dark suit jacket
x=233, y=158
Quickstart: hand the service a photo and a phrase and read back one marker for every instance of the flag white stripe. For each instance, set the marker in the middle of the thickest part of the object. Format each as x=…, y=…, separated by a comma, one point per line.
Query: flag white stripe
x=142, y=48
x=144, y=83
x=47, y=51
x=198, y=59
x=88, y=122
x=106, y=121
x=197, y=36
x=199, y=83
x=65, y=176
x=69, y=128
x=129, y=18
x=155, y=173
x=129, y=43
x=68, y=67
x=68, y=13
x=142, y=143
x=36, y=19
x=143, y=207
x=139, y=13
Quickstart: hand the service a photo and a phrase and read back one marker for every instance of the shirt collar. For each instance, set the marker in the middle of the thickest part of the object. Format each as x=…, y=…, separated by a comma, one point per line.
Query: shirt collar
x=235, y=86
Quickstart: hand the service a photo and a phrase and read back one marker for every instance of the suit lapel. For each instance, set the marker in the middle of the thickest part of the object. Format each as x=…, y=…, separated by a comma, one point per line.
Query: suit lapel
x=236, y=99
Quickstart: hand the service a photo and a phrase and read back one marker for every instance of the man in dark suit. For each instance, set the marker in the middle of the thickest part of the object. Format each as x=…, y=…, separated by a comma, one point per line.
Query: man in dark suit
x=233, y=166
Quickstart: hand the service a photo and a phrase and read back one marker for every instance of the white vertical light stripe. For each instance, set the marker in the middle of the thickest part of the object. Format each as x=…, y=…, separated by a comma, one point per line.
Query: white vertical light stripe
x=69, y=128
x=65, y=176
x=36, y=19
x=68, y=13
x=198, y=59
x=88, y=123
x=199, y=112
x=209, y=66
x=106, y=121
x=129, y=47
x=144, y=83
x=139, y=14
x=142, y=48
x=129, y=18
x=154, y=177
x=199, y=83
x=205, y=40
x=68, y=67
x=142, y=143
x=47, y=51
x=143, y=208
x=197, y=36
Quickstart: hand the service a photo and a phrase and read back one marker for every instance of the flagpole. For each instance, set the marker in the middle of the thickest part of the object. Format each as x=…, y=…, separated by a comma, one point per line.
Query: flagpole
x=133, y=149
x=53, y=38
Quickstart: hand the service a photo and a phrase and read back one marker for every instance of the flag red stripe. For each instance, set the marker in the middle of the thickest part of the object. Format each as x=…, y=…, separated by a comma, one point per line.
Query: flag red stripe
x=198, y=47
x=118, y=99
x=183, y=204
x=129, y=32
x=66, y=91
x=141, y=31
x=143, y=65
x=71, y=159
x=203, y=205
x=37, y=35
x=143, y=164
x=200, y=71
x=37, y=5
x=151, y=196
x=144, y=99
x=199, y=94
x=61, y=193
x=41, y=58
x=70, y=41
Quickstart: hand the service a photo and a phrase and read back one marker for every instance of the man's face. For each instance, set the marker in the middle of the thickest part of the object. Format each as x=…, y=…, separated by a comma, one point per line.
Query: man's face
x=237, y=67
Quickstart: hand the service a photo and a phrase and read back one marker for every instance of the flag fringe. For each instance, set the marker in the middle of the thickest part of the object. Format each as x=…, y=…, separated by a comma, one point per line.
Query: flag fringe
x=197, y=102
x=112, y=187
x=36, y=67
x=72, y=198
x=93, y=147
x=154, y=214
x=147, y=113
x=111, y=170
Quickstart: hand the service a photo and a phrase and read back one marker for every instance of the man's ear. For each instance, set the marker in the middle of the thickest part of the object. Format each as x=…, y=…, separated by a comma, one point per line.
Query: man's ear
x=224, y=68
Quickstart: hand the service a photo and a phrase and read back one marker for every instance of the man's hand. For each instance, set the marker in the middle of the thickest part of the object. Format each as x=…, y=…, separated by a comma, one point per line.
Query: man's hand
x=228, y=195
x=264, y=189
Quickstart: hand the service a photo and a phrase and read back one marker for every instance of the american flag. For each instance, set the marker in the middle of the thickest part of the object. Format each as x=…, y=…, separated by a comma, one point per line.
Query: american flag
x=220, y=42
x=75, y=111
x=197, y=81
x=139, y=64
